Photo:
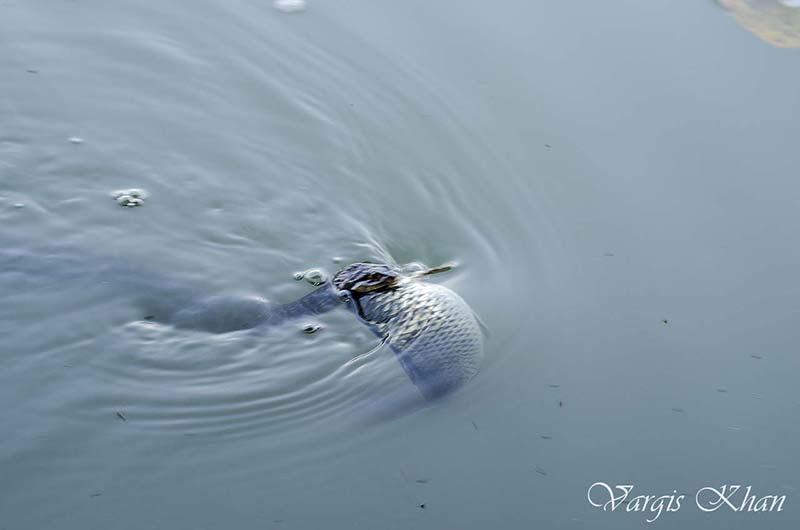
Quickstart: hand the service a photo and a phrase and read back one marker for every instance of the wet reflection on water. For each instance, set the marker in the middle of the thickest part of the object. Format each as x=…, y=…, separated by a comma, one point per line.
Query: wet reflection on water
x=774, y=21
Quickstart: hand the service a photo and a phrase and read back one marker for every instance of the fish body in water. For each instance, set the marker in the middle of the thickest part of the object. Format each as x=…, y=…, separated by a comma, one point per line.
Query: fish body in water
x=432, y=331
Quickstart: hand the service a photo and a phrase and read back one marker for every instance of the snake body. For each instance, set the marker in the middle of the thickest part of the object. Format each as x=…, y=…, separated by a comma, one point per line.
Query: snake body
x=432, y=331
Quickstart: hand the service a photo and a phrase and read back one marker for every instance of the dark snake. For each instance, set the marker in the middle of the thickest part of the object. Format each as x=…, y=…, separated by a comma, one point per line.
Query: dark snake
x=433, y=333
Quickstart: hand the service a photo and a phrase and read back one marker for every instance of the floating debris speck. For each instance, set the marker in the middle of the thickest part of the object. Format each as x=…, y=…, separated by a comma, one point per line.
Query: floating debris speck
x=132, y=197
x=289, y=6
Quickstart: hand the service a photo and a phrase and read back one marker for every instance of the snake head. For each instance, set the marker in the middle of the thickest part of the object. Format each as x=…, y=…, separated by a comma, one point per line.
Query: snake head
x=361, y=278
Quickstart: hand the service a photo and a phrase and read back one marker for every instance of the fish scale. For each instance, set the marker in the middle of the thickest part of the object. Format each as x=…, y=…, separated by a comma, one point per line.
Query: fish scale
x=431, y=329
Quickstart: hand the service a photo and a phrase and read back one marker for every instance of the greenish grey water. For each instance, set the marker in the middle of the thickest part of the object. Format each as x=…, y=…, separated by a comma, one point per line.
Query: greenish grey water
x=595, y=169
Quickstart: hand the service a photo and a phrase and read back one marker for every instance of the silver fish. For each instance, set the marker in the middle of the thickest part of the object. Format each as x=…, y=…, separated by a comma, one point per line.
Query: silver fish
x=433, y=332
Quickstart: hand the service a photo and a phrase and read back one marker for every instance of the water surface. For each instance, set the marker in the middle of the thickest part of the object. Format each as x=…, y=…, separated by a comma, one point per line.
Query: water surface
x=616, y=182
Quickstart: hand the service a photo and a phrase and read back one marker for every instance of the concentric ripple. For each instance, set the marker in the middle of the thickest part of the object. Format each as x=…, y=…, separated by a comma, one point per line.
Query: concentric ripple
x=334, y=154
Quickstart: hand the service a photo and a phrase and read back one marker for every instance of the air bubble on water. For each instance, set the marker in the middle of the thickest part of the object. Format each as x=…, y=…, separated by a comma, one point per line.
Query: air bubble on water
x=289, y=6
x=126, y=200
x=136, y=193
x=132, y=197
x=315, y=277
x=415, y=267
